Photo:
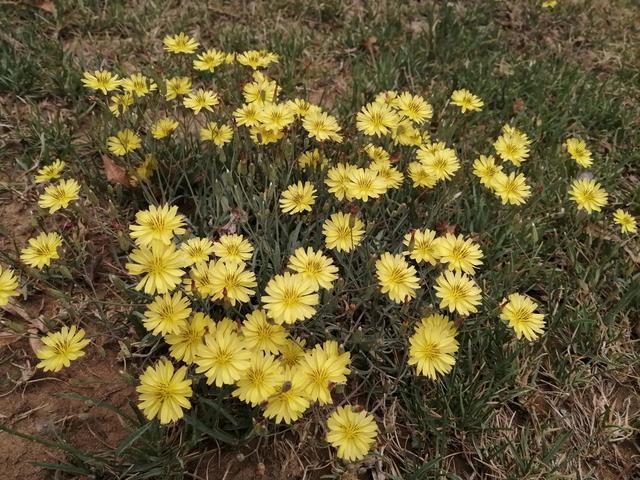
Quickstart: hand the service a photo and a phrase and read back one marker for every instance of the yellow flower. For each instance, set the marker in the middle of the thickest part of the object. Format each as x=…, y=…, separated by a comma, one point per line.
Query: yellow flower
x=167, y=314
x=422, y=246
x=231, y=282
x=200, y=277
x=209, y=60
x=164, y=392
x=139, y=85
x=312, y=158
x=365, y=183
x=512, y=145
x=320, y=368
x=180, y=43
x=549, y=3
x=292, y=353
x=314, y=266
x=260, y=380
x=421, y=176
x=461, y=255
x=351, y=432
x=163, y=128
x=177, y=86
x=289, y=402
x=185, y=343
x=579, y=152
x=222, y=358
x=390, y=176
x=440, y=162
x=230, y=58
x=161, y=266
x=264, y=136
x=101, y=80
x=396, y=277
x=414, y=107
x=377, y=154
x=518, y=310
x=376, y=119
x=260, y=334
x=247, y=115
x=321, y=126
x=233, y=248
x=299, y=106
x=298, y=198
x=200, y=99
x=404, y=133
x=343, y=232
x=59, y=195
x=588, y=194
x=466, y=100
x=41, y=250
x=290, y=298
x=218, y=134
x=157, y=225
x=433, y=345
x=59, y=349
x=512, y=188
x=8, y=285
x=338, y=179
x=390, y=97
x=626, y=221
x=120, y=103
x=260, y=92
x=145, y=169
x=487, y=171
x=125, y=141
x=457, y=292
x=256, y=58
x=198, y=249
x=275, y=116
x=50, y=172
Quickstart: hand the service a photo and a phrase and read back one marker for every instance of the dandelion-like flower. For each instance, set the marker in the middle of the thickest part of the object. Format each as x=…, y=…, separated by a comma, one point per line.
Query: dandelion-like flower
x=256, y=58
x=320, y=368
x=233, y=248
x=101, y=80
x=396, y=277
x=519, y=311
x=433, y=345
x=289, y=402
x=511, y=188
x=247, y=115
x=164, y=392
x=125, y=141
x=8, y=285
x=365, y=183
x=161, y=265
x=139, y=85
x=458, y=292
x=376, y=119
x=260, y=334
x=512, y=146
x=185, y=343
x=231, y=282
x=625, y=220
x=588, y=195
x=414, y=107
x=157, y=225
x=59, y=195
x=322, y=126
x=260, y=380
x=163, y=128
x=167, y=314
x=351, y=432
x=486, y=169
x=198, y=249
x=218, y=134
x=467, y=101
x=201, y=99
x=579, y=152
x=61, y=348
x=461, y=255
x=209, y=60
x=298, y=198
x=177, y=86
x=338, y=180
x=440, y=163
x=180, y=43
x=222, y=358
x=343, y=232
x=422, y=246
x=276, y=116
x=41, y=250
x=50, y=172
x=314, y=266
x=290, y=298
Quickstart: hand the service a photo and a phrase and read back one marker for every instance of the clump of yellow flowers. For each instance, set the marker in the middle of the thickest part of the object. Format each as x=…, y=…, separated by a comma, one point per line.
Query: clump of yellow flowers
x=258, y=353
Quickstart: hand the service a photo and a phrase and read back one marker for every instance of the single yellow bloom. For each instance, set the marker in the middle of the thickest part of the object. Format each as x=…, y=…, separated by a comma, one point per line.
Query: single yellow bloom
x=260, y=380
x=8, y=285
x=177, y=86
x=201, y=99
x=579, y=152
x=260, y=334
x=167, y=314
x=626, y=221
x=218, y=134
x=422, y=246
x=518, y=310
x=376, y=119
x=139, y=85
x=125, y=141
x=41, y=250
x=50, y=172
x=59, y=195
x=61, y=348
x=298, y=198
x=351, y=432
x=467, y=101
x=164, y=392
x=433, y=345
x=458, y=292
x=223, y=358
x=163, y=128
x=314, y=266
x=588, y=195
x=187, y=341
x=162, y=267
x=343, y=232
x=180, y=43
x=198, y=249
x=290, y=298
x=233, y=248
x=209, y=60
x=511, y=188
x=459, y=254
x=101, y=80
x=157, y=224
x=396, y=277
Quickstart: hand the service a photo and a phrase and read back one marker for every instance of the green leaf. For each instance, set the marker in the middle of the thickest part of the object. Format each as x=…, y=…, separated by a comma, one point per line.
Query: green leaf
x=131, y=439
x=212, y=432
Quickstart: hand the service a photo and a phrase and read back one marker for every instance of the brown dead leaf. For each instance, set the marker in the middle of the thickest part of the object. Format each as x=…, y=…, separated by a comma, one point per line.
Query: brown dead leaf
x=371, y=44
x=446, y=227
x=46, y=6
x=7, y=338
x=115, y=173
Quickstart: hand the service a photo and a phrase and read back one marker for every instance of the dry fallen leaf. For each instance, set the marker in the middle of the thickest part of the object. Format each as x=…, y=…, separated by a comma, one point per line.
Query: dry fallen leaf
x=115, y=173
x=7, y=338
x=46, y=6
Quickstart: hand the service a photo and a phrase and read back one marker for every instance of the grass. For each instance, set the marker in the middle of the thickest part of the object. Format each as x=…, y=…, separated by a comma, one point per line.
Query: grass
x=551, y=409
